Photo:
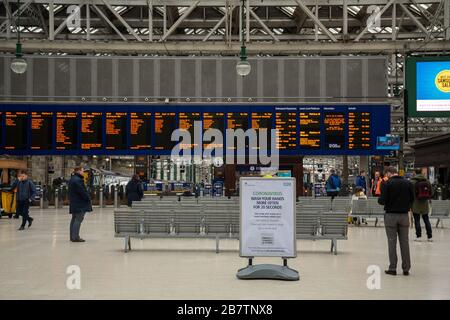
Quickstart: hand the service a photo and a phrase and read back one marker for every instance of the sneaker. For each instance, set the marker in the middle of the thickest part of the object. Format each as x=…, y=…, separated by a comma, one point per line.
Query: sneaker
x=30, y=222
x=21, y=228
x=391, y=272
x=418, y=239
x=79, y=240
x=430, y=240
x=406, y=273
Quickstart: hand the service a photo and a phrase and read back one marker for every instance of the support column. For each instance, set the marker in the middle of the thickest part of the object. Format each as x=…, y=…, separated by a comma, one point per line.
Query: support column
x=297, y=173
x=230, y=179
x=345, y=169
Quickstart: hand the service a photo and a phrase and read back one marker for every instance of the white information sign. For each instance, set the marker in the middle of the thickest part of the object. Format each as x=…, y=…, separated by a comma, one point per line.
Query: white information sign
x=267, y=217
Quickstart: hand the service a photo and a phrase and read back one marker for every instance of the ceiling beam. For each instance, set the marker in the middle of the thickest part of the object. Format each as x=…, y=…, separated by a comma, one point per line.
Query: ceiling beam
x=187, y=47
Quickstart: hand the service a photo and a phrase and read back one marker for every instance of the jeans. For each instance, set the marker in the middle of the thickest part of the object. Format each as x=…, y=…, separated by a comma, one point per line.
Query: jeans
x=397, y=225
x=22, y=208
x=426, y=220
x=75, y=225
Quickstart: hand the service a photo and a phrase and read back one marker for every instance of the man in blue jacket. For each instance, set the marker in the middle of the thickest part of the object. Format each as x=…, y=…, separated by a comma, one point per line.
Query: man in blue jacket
x=26, y=191
x=333, y=184
x=79, y=203
x=361, y=180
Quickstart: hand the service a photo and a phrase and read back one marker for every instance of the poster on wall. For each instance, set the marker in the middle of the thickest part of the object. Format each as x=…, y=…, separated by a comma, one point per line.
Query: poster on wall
x=267, y=217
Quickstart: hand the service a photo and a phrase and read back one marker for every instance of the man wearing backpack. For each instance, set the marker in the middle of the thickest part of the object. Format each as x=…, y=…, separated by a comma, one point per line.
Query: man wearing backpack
x=333, y=184
x=423, y=193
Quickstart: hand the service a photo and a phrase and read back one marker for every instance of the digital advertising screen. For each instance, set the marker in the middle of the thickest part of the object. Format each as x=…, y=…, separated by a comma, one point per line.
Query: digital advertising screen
x=389, y=142
x=428, y=86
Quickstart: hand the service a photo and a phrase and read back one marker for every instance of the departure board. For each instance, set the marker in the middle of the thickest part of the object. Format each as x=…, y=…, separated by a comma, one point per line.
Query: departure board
x=334, y=130
x=186, y=123
x=213, y=120
x=91, y=130
x=41, y=130
x=140, y=130
x=16, y=130
x=262, y=120
x=286, y=124
x=309, y=130
x=87, y=129
x=66, y=130
x=359, y=131
x=116, y=130
x=165, y=124
x=237, y=120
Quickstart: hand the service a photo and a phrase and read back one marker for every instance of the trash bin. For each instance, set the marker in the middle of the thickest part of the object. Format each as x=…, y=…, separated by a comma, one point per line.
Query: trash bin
x=8, y=203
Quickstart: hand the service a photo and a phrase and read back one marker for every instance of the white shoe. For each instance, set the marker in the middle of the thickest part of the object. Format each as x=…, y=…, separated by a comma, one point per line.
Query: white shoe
x=430, y=240
x=418, y=239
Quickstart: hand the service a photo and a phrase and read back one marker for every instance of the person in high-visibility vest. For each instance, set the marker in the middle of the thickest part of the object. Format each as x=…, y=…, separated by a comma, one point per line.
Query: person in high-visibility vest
x=375, y=187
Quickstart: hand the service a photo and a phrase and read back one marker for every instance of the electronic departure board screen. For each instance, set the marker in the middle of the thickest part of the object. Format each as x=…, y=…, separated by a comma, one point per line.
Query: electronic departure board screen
x=186, y=122
x=165, y=124
x=70, y=129
x=334, y=130
x=237, y=120
x=309, y=130
x=214, y=120
x=140, y=130
x=262, y=120
x=116, y=130
x=286, y=124
x=16, y=130
x=41, y=130
x=91, y=130
x=66, y=130
x=359, y=131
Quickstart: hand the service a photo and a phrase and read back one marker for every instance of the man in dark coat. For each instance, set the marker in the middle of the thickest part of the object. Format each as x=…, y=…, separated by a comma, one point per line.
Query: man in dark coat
x=26, y=191
x=397, y=197
x=79, y=203
x=134, y=190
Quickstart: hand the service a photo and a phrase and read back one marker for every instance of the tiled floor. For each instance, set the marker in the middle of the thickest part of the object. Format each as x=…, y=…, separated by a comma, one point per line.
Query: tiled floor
x=33, y=265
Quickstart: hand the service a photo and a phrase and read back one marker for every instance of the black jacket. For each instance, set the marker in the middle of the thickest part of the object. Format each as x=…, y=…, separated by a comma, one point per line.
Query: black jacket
x=134, y=191
x=79, y=198
x=26, y=190
x=397, y=195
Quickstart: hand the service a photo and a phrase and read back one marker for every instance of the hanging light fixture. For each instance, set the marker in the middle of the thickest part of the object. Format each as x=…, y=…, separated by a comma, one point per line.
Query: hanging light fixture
x=18, y=64
x=243, y=67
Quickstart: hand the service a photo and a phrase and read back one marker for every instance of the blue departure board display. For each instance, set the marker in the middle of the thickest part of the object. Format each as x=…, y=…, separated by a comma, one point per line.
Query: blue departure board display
x=116, y=129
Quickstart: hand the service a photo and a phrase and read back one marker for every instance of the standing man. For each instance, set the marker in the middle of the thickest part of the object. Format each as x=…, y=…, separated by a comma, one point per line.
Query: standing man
x=423, y=193
x=333, y=184
x=397, y=196
x=361, y=180
x=26, y=191
x=80, y=203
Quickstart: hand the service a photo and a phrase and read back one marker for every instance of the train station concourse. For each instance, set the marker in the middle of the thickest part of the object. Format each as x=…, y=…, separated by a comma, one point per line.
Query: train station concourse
x=218, y=151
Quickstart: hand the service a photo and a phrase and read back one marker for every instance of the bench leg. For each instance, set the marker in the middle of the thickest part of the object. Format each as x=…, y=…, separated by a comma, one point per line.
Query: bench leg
x=437, y=223
x=129, y=243
x=217, y=244
x=376, y=221
x=332, y=245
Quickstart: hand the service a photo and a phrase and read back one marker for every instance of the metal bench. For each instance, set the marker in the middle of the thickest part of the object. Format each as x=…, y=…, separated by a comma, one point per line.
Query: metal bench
x=440, y=210
x=158, y=220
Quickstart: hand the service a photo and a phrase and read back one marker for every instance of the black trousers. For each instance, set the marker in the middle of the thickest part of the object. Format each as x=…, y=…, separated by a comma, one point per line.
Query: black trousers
x=22, y=208
x=426, y=220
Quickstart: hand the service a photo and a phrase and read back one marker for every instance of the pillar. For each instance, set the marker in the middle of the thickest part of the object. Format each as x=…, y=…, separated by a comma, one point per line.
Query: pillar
x=345, y=169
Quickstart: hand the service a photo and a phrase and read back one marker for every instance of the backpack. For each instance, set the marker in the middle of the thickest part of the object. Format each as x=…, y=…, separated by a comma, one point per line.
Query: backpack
x=423, y=190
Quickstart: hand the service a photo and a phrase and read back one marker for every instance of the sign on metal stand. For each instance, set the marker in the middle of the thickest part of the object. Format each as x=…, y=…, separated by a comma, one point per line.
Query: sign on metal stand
x=267, y=216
